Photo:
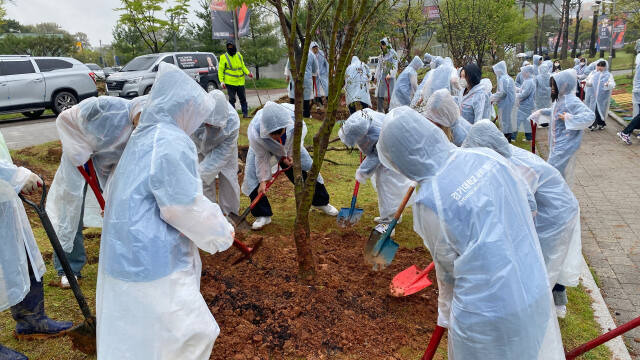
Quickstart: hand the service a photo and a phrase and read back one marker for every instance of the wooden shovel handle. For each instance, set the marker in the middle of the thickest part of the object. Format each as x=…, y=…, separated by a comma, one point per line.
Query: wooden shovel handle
x=407, y=196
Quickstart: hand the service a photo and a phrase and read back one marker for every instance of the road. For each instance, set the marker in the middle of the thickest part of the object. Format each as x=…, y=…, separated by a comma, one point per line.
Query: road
x=21, y=132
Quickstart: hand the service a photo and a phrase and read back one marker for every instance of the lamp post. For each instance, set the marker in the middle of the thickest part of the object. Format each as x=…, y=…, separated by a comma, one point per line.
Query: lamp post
x=594, y=27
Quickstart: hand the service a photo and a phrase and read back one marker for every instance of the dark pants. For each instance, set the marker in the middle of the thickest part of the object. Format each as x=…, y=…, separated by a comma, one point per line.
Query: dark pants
x=306, y=107
x=352, y=106
x=263, y=208
x=599, y=119
x=634, y=124
x=232, y=91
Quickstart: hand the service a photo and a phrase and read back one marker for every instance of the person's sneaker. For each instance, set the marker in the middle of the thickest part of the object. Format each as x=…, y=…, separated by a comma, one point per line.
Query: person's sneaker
x=593, y=127
x=261, y=222
x=624, y=137
x=328, y=210
x=600, y=127
x=64, y=282
x=382, y=228
x=561, y=311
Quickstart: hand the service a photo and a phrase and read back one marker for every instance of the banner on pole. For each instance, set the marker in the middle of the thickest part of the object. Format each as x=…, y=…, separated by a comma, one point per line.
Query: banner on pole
x=222, y=20
x=611, y=32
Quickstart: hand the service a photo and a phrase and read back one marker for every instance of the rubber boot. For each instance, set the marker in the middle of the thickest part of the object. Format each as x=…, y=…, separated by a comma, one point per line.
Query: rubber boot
x=8, y=354
x=31, y=321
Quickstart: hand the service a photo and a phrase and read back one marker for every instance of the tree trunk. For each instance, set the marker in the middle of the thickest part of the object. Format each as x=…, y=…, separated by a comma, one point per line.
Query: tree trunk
x=257, y=72
x=555, y=49
x=594, y=28
x=574, y=52
x=565, y=30
x=536, y=38
x=522, y=45
x=542, y=33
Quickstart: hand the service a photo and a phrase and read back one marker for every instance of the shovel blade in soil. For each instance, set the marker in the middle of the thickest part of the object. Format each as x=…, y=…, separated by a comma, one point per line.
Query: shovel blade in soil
x=83, y=336
x=239, y=223
x=249, y=253
x=384, y=257
x=410, y=281
x=348, y=217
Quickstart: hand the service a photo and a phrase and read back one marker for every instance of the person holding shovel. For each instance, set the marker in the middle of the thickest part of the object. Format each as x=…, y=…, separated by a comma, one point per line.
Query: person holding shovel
x=322, y=80
x=362, y=129
x=231, y=73
x=471, y=211
x=21, y=264
x=385, y=75
x=271, y=141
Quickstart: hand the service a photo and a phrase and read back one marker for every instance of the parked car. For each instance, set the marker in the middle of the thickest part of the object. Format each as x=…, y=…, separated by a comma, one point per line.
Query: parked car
x=138, y=76
x=97, y=70
x=111, y=70
x=32, y=84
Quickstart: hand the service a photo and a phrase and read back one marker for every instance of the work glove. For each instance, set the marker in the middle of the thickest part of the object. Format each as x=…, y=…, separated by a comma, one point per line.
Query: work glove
x=223, y=85
x=251, y=75
x=32, y=184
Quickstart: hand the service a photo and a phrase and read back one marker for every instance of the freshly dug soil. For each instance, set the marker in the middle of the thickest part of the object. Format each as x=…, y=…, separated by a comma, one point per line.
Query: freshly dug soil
x=264, y=312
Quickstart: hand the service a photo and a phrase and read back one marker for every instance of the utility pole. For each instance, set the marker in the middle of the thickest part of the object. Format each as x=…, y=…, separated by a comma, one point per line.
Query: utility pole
x=594, y=28
x=236, y=39
x=612, y=53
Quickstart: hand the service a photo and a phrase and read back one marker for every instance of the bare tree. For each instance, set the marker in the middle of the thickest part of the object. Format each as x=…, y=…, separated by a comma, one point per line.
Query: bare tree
x=576, y=35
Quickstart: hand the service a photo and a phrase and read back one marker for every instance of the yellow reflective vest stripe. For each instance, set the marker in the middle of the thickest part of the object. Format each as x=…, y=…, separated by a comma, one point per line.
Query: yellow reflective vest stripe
x=232, y=70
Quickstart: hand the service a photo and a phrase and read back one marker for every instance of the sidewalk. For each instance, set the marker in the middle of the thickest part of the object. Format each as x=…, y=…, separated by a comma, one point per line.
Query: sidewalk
x=607, y=184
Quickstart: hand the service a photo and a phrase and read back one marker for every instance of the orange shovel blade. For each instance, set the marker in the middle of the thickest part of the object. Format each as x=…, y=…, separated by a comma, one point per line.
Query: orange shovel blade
x=410, y=281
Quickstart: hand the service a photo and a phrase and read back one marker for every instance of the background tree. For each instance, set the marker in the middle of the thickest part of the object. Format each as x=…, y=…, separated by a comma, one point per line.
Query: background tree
x=155, y=31
x=127, y=42
x=262, y=46
x=410, y=25
x=201, y=31
x=578, y=5
x=566, y=5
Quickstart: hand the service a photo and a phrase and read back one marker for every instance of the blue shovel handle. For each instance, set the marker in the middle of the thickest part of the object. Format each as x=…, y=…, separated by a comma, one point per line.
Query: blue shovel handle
x=392, y=225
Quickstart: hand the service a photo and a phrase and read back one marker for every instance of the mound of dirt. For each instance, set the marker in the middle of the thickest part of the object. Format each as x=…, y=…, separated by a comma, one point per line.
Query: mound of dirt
x=265, y=313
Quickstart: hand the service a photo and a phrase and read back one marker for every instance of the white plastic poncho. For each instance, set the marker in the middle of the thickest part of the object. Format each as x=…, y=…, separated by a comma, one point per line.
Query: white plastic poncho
x=322, y=85
x=602, y=83
x=136, y=105
x=96, y=129
x=441, y=78
x=473, y=104
x=406, y=84
x=525, y=96
x=471, y=211
x=558, y=214
x=505, y=98
x=543, y=88
x=489, y=110
x=217, y=145
x=148, y=297
x=18, y=247
x=427, y=58
x=442, y=109
x=436, y=61
x=519, y=78
x=537, y=61
x=565, y=135
x=356, y=82
x=310, y=71
x=264, y=152
x=387, y=65
x=588, y=90
x=362, y=129
x=636, y=88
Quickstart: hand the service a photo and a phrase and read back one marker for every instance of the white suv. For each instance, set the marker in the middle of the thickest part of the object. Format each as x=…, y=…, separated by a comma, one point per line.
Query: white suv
x=32, y=84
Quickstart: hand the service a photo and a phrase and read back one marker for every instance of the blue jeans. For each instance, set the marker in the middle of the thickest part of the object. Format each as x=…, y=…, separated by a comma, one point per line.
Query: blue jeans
x=77, y=257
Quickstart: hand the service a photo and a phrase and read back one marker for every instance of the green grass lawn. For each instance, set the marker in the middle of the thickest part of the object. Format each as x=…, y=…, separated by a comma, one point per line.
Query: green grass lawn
x=267, y=84
x=20, y=116
x=578, y=327
x=622, y=61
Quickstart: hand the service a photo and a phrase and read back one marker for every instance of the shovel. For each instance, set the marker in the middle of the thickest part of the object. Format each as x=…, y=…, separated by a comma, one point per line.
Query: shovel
x=257, y=93
x=83, y=336
x=534, y=127
x=433, y=343
x=380, y=248
x=350, y=216
x=410, y=281
x=91, y=179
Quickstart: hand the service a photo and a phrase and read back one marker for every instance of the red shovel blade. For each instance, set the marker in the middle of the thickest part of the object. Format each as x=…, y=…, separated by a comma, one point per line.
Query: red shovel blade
x=410, y=281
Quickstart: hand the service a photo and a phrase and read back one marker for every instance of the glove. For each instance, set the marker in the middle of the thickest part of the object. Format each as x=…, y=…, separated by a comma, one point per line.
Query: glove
x=360, y=177
x=251, y=75
x=32, y=184
x=534, y=116
x=223, y=85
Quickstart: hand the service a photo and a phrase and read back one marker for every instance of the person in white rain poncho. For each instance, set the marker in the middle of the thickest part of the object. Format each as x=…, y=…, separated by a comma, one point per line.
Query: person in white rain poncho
x=97, y=129
x=444, y=77
x=525, y=97
x=385, y=75
x=474, y=98
x=536, y=62
x=443, y=111
x=543, y=90
x=489, y=110
x=135, y=108
x=505, y=98
x=406, y=84
x=310, y=78
x=625, y=135
x=519, y=78
x=156, y=219
x=21, y=264
x=588, y=90
x=217, y=144
x=435, y=62
x=558, y=216
x=472, y=214
x=362, y=129
x=270, y=134
x=569, y=117
x=602, y=83
x=322, y=80
x=356, y=85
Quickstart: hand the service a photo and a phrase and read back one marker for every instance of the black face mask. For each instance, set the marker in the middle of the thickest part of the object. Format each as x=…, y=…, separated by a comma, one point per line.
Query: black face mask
x=232, y=50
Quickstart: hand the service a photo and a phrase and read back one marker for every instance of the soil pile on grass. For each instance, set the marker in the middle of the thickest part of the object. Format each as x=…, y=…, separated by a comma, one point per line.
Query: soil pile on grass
x=265, y=313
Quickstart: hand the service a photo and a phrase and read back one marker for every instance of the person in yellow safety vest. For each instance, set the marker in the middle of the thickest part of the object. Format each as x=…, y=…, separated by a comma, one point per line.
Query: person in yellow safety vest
x=231, y=72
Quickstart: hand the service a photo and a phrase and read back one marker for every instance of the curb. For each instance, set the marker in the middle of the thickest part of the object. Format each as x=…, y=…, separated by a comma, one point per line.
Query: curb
x=618, y=119
x=602, y=315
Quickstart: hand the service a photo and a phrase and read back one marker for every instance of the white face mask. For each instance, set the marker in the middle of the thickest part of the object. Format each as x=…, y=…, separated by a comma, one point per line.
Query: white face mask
x=463, y=83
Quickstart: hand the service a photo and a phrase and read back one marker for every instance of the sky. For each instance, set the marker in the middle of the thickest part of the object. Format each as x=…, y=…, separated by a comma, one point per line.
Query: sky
x=96, y=18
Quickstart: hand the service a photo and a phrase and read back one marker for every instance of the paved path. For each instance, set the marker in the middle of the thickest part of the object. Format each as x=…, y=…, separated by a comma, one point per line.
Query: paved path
x=607, y=184
x=621, y=72
x=22, y=133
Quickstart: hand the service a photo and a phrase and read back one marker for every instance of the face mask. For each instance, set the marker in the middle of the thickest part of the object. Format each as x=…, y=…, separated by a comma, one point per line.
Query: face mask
x=582, y=63
x=463, y=83
x=232, y=50
x=556, y=65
